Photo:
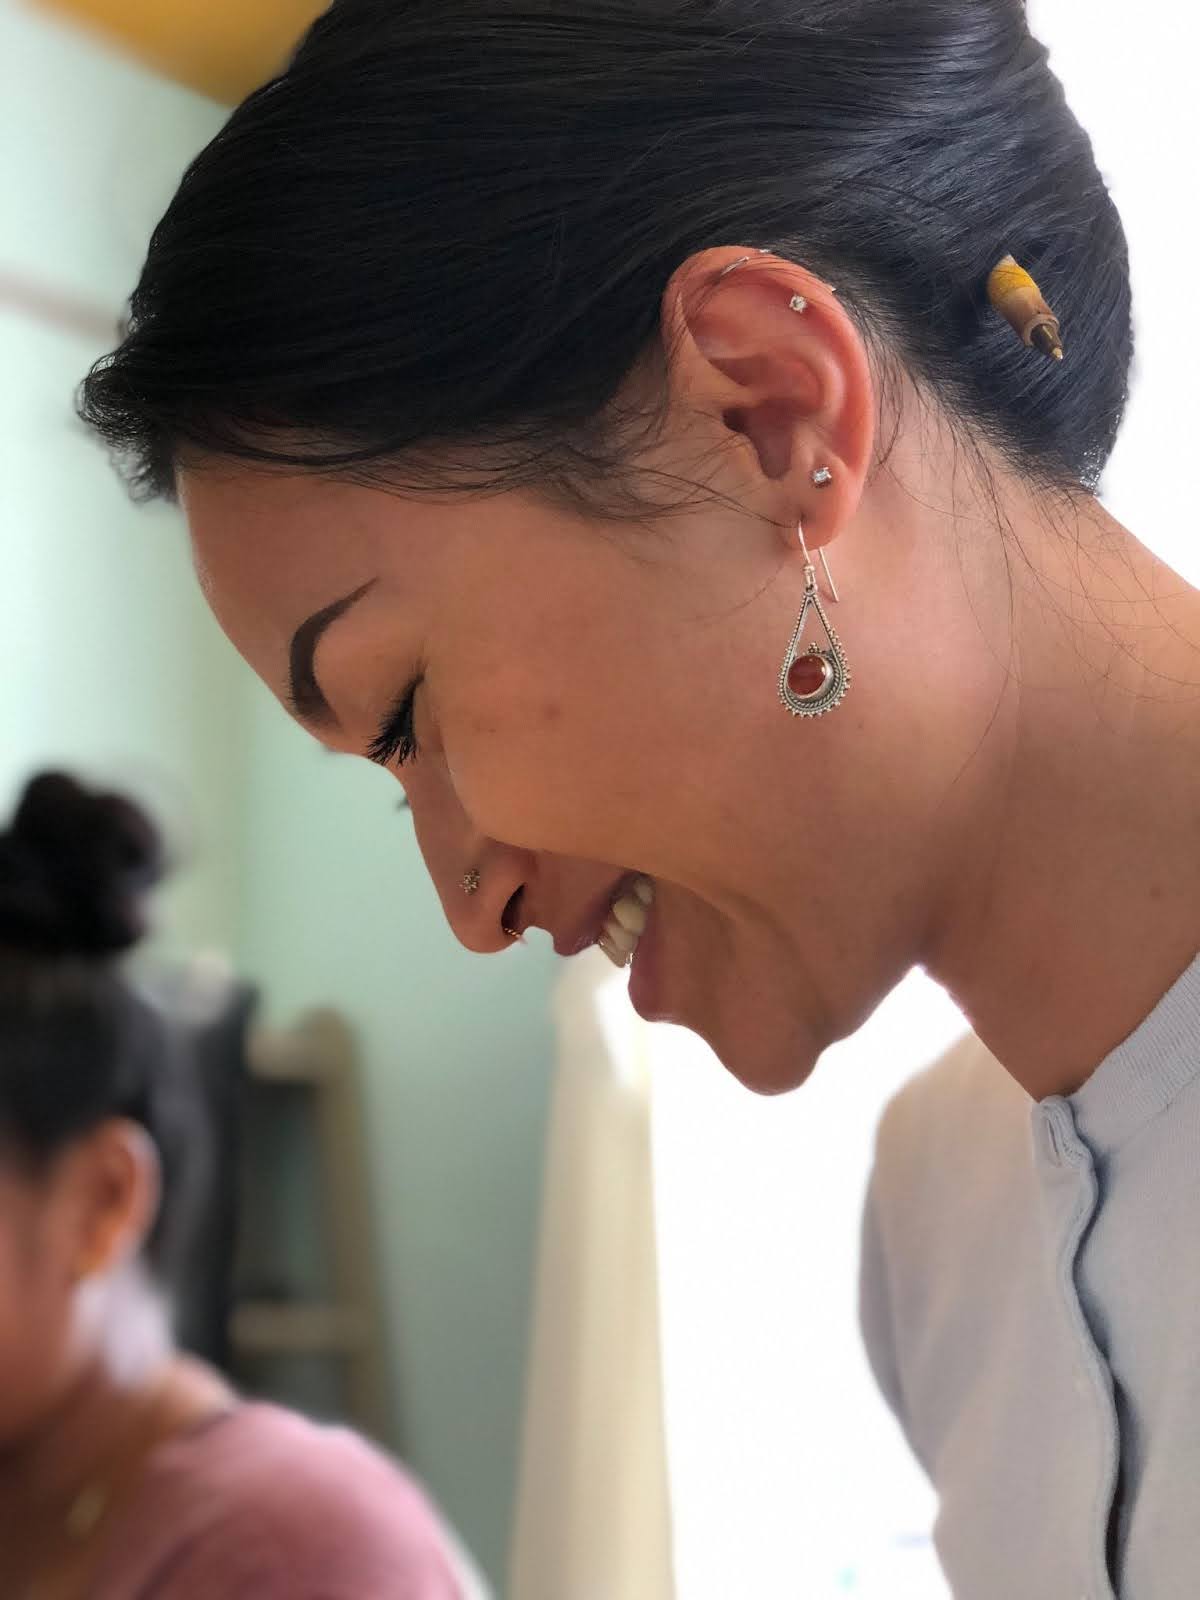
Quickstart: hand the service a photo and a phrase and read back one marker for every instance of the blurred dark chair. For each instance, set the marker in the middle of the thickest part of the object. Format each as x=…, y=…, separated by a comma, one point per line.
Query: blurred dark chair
x=212, y=1014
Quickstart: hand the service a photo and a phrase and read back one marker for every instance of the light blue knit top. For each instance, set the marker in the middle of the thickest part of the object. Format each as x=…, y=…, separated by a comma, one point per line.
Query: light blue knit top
x=1030, y=1301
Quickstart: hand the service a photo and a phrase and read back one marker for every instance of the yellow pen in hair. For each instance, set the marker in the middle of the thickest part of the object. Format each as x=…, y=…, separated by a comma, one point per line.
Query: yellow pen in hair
x=1019, y=301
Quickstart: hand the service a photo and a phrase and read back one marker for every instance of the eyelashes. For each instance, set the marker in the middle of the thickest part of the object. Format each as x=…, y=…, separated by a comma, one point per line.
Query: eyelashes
x=396, y=740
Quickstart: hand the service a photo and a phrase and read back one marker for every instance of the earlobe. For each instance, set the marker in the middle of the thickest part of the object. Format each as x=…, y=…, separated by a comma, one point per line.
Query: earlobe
x=90, y=1262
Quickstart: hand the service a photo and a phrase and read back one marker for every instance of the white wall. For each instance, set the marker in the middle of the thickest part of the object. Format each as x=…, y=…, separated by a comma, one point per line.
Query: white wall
x=1131, y=82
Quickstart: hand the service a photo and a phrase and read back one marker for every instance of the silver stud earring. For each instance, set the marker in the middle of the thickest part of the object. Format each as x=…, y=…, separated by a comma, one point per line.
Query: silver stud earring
x=822, y=477
x=813, y=680
x=798, y=303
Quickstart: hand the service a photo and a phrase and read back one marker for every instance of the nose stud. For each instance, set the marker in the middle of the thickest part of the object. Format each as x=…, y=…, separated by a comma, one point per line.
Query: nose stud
x=470, y=882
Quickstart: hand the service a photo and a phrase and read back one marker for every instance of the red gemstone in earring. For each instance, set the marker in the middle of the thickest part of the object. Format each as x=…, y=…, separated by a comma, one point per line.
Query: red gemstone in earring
x=808, y=675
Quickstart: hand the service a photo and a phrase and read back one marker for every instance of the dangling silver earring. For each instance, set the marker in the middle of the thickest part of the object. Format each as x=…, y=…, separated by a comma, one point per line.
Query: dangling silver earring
x=814, y=680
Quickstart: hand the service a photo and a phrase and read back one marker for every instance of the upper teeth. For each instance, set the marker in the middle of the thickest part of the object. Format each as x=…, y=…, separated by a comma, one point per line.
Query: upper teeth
x=626, y=922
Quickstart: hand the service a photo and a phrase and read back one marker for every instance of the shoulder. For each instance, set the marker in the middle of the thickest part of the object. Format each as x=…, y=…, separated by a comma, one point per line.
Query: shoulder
x=952, y=1146
x=962, y=1110
x=953, y=1152
x=269, y=1503
x=958, y=1083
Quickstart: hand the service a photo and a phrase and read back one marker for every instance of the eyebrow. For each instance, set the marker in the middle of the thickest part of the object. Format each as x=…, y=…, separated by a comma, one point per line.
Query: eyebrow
x=305, y=695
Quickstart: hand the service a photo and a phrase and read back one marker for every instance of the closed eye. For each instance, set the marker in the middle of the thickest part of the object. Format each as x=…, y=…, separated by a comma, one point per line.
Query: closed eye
x=395, y=741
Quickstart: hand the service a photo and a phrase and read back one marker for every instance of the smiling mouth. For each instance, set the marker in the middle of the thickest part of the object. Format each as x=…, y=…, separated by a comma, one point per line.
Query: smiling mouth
x=625, y=923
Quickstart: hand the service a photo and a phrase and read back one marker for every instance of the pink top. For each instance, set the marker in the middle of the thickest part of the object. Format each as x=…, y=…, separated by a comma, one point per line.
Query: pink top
x=262, y=1504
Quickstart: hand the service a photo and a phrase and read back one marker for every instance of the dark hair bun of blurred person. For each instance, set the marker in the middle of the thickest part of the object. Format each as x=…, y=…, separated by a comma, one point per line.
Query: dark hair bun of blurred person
x=75, y=867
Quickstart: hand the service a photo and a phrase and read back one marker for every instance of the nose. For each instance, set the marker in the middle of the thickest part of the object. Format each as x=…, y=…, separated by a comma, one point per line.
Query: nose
x=478, y=879
x=482, y=904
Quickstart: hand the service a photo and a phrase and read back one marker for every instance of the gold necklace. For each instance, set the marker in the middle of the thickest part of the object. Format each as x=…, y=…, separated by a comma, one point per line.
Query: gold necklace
x=79, y=1523
x=86, y=1511
x=90, y=1504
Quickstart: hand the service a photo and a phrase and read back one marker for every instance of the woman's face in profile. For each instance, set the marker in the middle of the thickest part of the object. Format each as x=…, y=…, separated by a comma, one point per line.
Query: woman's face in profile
x=569, y=703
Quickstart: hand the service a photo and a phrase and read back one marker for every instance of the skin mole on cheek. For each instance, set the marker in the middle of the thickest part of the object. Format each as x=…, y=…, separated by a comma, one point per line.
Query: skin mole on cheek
x=552, y=711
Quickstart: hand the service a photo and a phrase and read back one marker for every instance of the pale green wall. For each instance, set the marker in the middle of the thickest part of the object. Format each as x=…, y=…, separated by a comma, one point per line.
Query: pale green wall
x=110, y=661
x=308, y=875
x=457, y=1050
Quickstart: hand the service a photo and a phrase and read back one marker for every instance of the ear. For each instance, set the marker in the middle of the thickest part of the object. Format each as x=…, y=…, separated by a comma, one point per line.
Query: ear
x=115, y=1181
x=794, y=386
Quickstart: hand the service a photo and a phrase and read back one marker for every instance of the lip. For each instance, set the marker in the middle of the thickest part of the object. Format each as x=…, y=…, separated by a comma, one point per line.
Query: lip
x=587, y=930
x=644, y=971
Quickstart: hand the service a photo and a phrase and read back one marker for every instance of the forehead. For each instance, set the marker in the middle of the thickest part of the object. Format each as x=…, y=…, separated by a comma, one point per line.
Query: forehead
x=270, y=549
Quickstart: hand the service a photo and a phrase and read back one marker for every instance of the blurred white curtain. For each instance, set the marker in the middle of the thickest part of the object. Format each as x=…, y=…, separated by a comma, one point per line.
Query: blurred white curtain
x=593, y=1516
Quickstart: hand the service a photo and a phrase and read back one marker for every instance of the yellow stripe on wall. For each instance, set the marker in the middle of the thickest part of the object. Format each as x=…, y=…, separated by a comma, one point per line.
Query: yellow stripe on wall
x=220, y=49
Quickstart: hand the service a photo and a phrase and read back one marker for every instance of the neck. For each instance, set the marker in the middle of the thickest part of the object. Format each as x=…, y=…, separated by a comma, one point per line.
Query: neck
x=134, y=1394
x=91, y=1420
x=1073, y=898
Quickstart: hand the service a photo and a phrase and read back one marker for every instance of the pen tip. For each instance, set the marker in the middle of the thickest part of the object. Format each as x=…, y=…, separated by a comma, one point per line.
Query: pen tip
x=1048, y=341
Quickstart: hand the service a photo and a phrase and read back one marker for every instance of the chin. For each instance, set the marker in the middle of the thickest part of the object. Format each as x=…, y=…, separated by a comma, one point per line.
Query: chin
x=767, y=1075
x=764, y=1064
x=747, y=1026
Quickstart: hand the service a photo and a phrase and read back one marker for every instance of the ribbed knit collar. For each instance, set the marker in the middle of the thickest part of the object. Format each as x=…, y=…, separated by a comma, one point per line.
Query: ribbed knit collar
x=1143, y=1075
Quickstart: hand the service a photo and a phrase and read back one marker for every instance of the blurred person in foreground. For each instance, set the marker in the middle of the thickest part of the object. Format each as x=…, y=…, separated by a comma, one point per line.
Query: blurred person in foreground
x=128, y=1469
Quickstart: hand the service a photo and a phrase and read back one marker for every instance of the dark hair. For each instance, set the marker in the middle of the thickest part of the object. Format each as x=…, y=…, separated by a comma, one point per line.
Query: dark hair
x=78, y=1044
x=444, y=232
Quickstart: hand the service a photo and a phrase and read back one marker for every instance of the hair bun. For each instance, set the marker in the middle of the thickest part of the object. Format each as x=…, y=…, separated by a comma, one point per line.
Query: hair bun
x=75, y=867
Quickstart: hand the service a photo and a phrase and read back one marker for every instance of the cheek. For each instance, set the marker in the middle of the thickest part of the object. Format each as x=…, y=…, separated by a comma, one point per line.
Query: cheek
x=540, y=764
x=35, y=1321
x=562, y=729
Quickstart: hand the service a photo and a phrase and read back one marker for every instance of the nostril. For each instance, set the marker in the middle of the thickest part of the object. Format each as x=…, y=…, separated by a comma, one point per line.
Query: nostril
x=510, y=917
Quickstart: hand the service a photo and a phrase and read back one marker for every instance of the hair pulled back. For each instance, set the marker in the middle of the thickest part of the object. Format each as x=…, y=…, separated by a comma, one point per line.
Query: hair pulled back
x=74, y=870
x=444, y=233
